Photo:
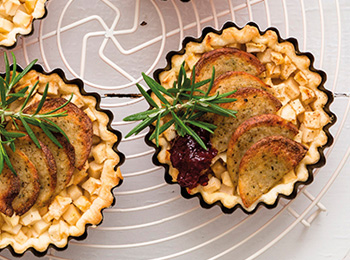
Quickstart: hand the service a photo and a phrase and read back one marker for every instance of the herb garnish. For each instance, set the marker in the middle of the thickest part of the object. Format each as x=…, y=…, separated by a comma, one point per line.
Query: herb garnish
x=7, y=96
x=184, y=102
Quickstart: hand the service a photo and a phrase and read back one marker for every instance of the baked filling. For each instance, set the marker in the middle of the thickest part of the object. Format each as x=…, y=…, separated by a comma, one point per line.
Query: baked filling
x=80, y=201
x=16, y=17
x=288, y=78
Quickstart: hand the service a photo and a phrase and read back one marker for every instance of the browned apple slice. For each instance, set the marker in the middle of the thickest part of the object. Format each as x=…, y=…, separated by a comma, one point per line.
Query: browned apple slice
x=250, y=102
x=29, y=181
x=76, y=125
x=224, y=60
x=45, y=164
x=251, y=131
x=233, y=80
x=9, y=188
x=265, y=163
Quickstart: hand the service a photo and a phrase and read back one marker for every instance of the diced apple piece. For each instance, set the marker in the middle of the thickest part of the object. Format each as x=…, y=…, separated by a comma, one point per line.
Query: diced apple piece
x=5, y=25
x=90, y=114
x=11, y=229
x=95, y=169
x=11, y=6
x=312, y=120
x=41, y=226
x=297, y=106
x=54, y=232
x=301, y=78
x=214, y=184
x=218, y=168
x=277, y=58
x=82, y=203
x=309, y=134
x=71, y=215
x=226, y=179
x=287, y=68
x=59, y=206
x=22, y=19
x=21, y=237
x=30, y=217
x=99, y=152
x=29, y=5
x=255, y=47
x=288, y=113
x=74, y=192
x=307, y=95
x=291, y=88
x=91, y=185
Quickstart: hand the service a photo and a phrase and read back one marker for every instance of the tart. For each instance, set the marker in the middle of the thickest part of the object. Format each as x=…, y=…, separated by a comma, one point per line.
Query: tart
x=69, y=186
x=16, y=17
x=282, y=118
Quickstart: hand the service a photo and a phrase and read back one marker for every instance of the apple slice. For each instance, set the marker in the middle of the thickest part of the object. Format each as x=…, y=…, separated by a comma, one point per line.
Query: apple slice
x=251, y=131
x=264, y=165
x=250, y=102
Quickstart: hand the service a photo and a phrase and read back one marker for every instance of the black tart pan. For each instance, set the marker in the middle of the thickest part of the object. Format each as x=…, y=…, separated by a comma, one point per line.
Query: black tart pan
x=80, y=84
x=326, y=108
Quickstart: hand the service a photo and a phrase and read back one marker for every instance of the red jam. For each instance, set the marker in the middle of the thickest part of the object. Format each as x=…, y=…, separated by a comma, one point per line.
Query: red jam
x=191, y=159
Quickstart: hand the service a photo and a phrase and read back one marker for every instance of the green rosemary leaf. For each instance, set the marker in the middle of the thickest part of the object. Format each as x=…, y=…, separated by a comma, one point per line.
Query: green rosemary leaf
x=162, y=129
x=15, y=80
x=29, y=95
x=188, y=130
x=211, y=82
x=1, y=161
x=3, y=96
x=141, y=115
x=30, y=132
x=228, y=112
x=58, y=108
x=145, y=123
x=224, y=95
x=174, y=90
x=200, y=125
x=226, y=100
x=157, y=129
x=147, y=97
x=14, y=67
x=8, y=134
x=201, y=83
x=15, y=96
x=14, y=123
x=156, y=88
x=50, y=135
x=42, y=100
x=7, y=159
x=49, y=123
x=180, y=76
x=7, y=69
x=210, y=110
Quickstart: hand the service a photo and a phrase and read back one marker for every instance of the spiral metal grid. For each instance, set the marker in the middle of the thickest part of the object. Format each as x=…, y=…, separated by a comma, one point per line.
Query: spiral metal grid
x=107, y=44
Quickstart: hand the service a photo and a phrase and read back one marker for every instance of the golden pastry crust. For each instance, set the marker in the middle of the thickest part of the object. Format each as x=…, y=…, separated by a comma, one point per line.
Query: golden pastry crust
x=89, y=189
x=292, y=83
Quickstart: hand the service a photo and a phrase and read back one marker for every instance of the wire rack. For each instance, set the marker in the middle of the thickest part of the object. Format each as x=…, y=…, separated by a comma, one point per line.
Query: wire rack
x=108, y=44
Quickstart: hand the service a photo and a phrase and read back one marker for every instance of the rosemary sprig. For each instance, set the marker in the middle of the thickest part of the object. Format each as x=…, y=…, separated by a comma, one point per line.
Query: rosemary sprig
x=185, y=102
x=7, y=97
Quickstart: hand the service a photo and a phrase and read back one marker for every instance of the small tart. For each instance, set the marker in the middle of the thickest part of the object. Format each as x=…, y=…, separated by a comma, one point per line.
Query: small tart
x=89, y=189
x=16, y=17
x=288, y=75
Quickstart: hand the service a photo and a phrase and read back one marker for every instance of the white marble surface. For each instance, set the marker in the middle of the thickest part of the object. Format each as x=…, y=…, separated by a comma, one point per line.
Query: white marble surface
x=150, y=218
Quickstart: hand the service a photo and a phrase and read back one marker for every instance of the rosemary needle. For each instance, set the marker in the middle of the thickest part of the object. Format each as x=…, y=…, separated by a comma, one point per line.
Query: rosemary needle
x=185, y=103
x=8, y=96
